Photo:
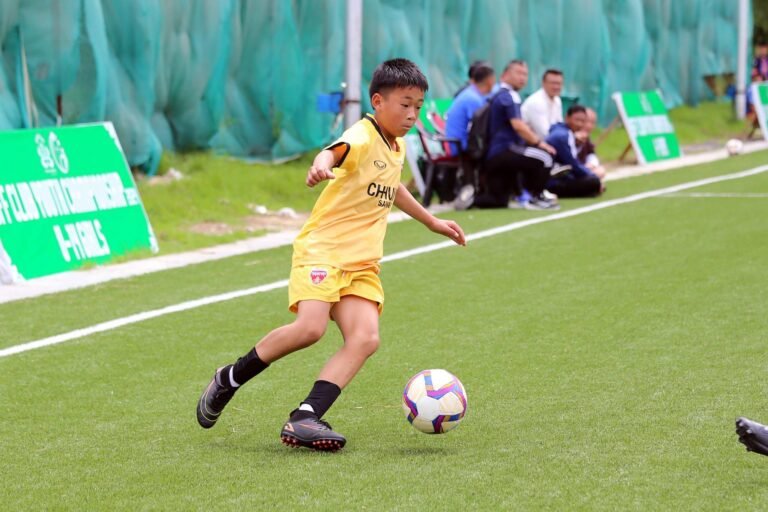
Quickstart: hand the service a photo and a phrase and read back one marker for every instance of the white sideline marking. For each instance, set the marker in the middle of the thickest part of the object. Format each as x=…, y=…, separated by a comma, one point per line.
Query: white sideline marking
x=213, y=299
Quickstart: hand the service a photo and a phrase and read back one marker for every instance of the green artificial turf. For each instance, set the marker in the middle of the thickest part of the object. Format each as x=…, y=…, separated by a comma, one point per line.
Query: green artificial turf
x=605, y=357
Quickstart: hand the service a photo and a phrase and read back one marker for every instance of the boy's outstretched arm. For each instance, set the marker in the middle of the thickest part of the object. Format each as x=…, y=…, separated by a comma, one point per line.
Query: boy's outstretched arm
x=406, y=202
x=322, y=165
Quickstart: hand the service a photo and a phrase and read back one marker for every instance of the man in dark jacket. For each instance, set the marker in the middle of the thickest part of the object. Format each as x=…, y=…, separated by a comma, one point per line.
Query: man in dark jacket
x=573, y=179
x=517, y=158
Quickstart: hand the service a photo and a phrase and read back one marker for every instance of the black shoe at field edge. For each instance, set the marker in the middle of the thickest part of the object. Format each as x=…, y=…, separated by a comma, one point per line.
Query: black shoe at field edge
x=213, y=400
x=753, y=435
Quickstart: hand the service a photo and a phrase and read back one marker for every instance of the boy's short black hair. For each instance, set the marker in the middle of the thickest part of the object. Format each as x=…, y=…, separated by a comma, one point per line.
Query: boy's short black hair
x=575, y=109
x=480, y=70
x=551, y=71
x=395, y=73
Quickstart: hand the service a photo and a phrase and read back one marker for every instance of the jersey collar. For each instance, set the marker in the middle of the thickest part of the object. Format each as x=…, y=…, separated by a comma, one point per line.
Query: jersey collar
x=372, y=119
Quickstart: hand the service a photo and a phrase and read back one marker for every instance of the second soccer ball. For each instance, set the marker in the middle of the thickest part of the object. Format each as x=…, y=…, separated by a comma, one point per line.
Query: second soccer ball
x=734, y=147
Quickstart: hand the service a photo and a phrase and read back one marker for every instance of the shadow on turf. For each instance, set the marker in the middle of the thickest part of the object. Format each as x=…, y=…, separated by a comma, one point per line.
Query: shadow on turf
x=421, y=451
x=276, y=448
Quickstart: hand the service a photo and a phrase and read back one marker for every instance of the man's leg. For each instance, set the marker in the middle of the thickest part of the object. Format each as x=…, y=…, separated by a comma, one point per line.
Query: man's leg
x=535, y=164
x=309, y=326
x=499, y=182
x=589, y=186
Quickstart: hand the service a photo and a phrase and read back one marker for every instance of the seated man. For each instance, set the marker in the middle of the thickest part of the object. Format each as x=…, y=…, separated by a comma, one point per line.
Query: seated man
x=585, y=147
x=472, y=97
x=753, y=123
x=517, y=158
x=544, y=107
x=578, y=181
x=760, y=64
x=469, y=76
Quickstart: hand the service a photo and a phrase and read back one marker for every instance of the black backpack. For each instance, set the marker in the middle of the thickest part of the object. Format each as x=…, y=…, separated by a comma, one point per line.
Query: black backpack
x=478, y=136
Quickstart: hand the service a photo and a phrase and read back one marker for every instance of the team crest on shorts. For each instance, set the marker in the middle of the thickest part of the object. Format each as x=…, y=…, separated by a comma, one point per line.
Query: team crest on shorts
x=317, y=276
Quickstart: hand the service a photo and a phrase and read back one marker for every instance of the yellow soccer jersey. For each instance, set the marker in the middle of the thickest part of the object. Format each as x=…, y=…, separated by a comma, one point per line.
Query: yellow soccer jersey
x=347, y=226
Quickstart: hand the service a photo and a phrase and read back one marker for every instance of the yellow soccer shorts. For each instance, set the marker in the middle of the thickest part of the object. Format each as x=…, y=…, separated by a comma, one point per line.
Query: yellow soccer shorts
x=330, y=284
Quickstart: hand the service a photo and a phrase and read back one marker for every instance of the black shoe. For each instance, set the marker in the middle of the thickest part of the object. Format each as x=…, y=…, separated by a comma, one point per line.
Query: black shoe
x=311, y=432
x=753, y=435
x=215, y=397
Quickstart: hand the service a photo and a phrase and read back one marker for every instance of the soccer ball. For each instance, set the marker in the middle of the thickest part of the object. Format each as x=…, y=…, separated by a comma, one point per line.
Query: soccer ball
x=734, y=147
x=434, y=401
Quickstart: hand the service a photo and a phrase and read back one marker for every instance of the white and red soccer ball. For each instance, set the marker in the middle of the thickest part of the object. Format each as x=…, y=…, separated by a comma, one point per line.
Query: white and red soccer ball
x=434, y=401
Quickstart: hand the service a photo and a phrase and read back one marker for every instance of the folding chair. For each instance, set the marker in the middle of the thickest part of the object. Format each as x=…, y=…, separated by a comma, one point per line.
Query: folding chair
x=438, y=162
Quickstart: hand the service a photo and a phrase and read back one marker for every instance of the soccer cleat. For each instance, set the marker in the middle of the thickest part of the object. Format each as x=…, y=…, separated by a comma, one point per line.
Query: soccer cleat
x=311, y=433
x=753, y=435
x=215, y=397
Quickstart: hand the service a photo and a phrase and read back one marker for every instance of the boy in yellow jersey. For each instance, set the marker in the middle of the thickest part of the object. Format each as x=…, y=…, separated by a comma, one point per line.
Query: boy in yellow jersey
x=336, y=257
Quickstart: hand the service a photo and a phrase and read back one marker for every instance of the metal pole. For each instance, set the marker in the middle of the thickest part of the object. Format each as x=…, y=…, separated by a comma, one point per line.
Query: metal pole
x=354, y=62
x=741, y=63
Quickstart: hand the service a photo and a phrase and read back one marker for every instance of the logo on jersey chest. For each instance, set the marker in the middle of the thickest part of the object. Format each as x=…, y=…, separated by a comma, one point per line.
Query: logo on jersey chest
x=384, y=193
x=379, y=164
x=317, y=276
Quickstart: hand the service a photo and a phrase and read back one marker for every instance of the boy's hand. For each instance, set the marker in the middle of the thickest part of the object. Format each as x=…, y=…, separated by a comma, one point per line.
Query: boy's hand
x=317, y=174
x=450, y=229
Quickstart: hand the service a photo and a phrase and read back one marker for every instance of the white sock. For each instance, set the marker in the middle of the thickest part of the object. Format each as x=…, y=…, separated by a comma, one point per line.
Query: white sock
x=232, y=378
x=306, y=407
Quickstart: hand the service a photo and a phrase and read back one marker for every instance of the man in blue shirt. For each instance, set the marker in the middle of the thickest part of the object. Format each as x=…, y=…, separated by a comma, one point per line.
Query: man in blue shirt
x=576, y=180
x=517, y=158
x=472, y=97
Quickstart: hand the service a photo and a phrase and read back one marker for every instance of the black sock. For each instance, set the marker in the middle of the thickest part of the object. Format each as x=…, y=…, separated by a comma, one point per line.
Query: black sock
x=321, y=398
x=246, y=368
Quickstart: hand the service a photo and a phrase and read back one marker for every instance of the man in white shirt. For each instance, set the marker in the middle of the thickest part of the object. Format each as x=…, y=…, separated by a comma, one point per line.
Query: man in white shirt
x=544, y=108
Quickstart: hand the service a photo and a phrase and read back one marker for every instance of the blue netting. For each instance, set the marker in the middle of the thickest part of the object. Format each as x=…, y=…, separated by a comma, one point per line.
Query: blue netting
x=241, y=76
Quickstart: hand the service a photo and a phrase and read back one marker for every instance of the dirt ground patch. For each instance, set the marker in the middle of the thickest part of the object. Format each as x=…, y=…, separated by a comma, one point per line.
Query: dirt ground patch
x=275, y=222
x=252, y=224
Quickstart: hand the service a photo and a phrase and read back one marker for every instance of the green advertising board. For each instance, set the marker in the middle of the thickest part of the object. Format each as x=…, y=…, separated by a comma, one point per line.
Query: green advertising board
x=645, y=118
x=759, y=93
x=67, y=198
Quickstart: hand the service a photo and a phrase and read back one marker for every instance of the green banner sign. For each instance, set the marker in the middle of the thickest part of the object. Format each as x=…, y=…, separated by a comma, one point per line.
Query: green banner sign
x=650, y=131
x=759, y=93
x=67, y=198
